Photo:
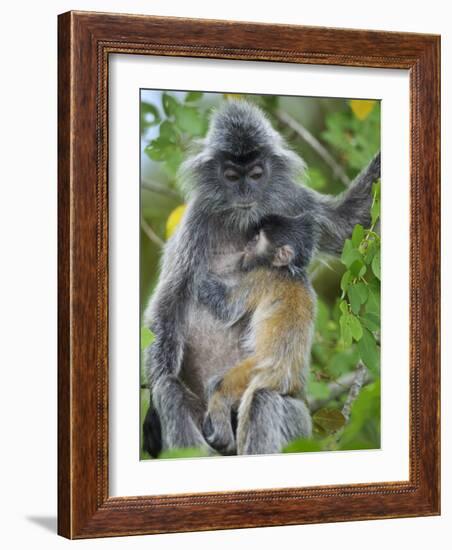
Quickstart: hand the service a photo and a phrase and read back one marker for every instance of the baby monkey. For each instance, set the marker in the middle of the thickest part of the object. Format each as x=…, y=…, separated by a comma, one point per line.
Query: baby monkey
x=278, y=300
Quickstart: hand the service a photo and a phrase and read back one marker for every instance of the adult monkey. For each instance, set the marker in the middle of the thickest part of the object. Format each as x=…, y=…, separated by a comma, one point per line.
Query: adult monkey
x=242, y=172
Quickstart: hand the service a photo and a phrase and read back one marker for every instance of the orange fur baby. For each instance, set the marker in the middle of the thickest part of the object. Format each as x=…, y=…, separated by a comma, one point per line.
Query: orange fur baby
x=277, y=298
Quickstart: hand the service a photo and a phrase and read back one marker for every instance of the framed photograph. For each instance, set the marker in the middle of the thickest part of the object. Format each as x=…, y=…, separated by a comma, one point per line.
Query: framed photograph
x=248, y=264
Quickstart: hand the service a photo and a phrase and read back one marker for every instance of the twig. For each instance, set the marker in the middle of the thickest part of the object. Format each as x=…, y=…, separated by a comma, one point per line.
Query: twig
x=315, y=144
x=150, y=233
x=336, y=389
x=355, y=388
x=360, y=377
x=159, y=188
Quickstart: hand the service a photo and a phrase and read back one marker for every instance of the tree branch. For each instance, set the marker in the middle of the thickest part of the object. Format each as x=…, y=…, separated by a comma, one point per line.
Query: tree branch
x=337, y=388
x=152, y=236
x=315, y=144
x=155, y=187
x=358, y=381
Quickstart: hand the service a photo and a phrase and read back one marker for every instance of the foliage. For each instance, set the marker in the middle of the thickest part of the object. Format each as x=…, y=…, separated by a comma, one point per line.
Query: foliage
x=360, y=284
x=147, y=337
x=362, y=431
x=351, y=334
x=182, y=123
x=348, y=313
x=354, y=134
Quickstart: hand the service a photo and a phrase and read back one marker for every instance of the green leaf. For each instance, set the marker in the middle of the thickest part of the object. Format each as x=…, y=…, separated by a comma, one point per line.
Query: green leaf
x=170, y=105
x=371, y=321
x=350, y=328
x=149, y=116
x=358, y=268
x=328, y=421
x=161, y=149
x=369, y=351
x=363, y=428
x=167, y=132
x=357, y=235
x=376, y=264
x=190, y=120
x=147, y=337
x=362, y=291
x=157, y=149
x=375, y=209
x=343, y=306
x=193, y=96
x=174, y=157
x=355, y=299
x=349, y=254
x=373, y=301
x=357, y=293
x=370, y=249
x=346, y=332
x=345, y=280
x=355, y=327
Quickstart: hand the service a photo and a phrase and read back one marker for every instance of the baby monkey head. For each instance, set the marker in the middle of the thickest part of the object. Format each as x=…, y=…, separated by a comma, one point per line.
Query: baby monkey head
x=281, y=242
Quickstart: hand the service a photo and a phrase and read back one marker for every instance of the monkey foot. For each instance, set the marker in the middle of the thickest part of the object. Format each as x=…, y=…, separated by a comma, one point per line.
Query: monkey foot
x=219, y=435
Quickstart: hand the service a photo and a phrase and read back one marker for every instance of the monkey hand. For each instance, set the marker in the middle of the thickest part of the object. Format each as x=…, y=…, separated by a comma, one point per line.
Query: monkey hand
x=218, y=425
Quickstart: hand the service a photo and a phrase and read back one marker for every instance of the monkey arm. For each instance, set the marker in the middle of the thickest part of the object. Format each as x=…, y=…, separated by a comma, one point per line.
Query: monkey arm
x=337, y=216
x=165, y=314
x=184, y=255
x=221, y=300
x=178, y=408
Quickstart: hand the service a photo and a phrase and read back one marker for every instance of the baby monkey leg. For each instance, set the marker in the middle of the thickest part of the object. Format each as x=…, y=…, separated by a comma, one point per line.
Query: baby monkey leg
x=224, y=399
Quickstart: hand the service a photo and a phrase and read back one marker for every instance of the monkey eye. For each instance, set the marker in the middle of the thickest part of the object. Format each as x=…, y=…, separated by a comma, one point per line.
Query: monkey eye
x=231, y=175
x=256, y=172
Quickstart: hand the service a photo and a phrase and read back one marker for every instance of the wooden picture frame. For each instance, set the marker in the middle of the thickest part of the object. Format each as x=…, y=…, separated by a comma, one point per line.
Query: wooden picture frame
x=85, y=42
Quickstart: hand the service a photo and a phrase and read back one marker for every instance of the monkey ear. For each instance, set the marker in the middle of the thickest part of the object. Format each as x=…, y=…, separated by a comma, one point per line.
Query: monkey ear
x=283, y=256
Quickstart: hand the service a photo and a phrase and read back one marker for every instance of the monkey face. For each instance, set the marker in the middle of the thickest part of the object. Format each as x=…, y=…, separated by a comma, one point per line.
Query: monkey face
x=243, y=180
x=258, y=252
x=244, y=170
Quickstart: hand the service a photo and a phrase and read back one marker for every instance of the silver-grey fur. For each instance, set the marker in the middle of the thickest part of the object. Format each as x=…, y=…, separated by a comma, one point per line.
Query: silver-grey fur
x=191, y=345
